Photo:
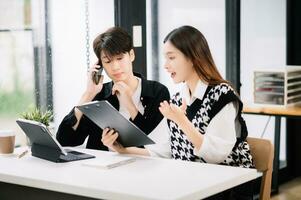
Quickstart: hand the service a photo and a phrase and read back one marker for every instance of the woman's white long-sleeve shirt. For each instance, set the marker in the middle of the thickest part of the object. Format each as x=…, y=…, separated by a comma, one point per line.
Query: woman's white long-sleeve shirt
x=219, y=138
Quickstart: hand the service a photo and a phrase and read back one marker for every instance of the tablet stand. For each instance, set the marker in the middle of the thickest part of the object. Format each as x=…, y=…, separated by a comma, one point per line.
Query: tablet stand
x=45, y=152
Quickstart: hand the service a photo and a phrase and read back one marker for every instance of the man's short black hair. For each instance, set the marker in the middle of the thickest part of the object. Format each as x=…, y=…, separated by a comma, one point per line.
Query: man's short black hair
x=113, y=42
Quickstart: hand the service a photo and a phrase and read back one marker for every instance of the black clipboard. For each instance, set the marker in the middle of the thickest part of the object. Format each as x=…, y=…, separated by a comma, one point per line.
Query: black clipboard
x=103, y=114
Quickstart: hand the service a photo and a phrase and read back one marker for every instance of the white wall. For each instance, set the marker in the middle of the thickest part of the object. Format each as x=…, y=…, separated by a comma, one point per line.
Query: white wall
x=69, y=48
x=207, y=15
x=263, y=39
x=263, y=45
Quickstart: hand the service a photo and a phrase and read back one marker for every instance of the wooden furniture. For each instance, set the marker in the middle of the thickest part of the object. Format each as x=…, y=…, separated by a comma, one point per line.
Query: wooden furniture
x=278, y=112
x=291, y=111
x=262, y=151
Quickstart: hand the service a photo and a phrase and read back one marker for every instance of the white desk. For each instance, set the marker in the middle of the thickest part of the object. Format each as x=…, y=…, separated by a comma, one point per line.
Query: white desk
x=146, y=178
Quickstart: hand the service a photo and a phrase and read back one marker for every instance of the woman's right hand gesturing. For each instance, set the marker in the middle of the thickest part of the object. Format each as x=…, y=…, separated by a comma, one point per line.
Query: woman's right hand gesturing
x=109, y=137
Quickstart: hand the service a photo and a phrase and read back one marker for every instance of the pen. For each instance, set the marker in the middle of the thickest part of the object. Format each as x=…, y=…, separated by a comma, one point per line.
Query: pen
x=23, y=154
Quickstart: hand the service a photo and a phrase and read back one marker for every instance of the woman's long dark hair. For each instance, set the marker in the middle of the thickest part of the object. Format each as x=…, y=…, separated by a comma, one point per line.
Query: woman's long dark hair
x=193, y=45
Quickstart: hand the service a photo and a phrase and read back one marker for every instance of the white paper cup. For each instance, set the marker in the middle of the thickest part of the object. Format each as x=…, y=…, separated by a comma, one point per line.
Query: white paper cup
x=7, y=141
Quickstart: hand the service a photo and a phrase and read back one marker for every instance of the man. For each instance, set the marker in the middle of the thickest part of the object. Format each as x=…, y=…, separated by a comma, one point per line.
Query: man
x=135, y=97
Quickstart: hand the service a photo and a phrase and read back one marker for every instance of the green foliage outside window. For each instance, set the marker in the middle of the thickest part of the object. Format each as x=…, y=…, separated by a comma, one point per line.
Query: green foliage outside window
x=13, y=103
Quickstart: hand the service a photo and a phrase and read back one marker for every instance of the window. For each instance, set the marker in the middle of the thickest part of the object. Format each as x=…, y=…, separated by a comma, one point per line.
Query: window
x=19, y=59
x=208, y=16
x=263, y=45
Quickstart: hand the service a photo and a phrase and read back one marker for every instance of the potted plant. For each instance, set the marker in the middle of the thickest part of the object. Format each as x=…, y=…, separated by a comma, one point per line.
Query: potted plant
x=38, y=115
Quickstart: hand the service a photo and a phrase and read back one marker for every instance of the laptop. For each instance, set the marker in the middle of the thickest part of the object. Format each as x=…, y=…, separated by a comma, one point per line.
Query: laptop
x=44, y=145
x=103, y=114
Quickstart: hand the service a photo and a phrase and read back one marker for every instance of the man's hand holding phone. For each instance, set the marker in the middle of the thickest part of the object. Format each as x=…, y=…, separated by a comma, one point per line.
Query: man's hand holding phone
x=91, y=91
x=96, y=76
x=95, y=80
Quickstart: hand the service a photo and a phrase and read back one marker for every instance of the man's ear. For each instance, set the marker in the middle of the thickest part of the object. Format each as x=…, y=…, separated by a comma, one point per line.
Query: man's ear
x=132, y=55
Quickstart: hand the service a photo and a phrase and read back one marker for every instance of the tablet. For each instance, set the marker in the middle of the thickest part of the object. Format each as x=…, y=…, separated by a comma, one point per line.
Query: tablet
x=103, y=114
x=45, y=146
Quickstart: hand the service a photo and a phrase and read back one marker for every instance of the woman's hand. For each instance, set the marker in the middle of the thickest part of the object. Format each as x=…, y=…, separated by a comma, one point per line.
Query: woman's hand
x=109, y=137
x=92, y=88
x=173, y=112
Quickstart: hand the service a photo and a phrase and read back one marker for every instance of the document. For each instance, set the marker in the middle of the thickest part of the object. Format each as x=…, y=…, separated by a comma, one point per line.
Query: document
x=109, y=161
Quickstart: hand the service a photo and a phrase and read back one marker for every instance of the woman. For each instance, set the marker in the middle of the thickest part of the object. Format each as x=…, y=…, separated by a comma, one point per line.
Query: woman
x=135, y=97
x=211, y=128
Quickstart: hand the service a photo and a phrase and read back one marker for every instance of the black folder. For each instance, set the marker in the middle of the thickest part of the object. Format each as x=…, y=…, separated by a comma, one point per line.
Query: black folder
x=105, y=115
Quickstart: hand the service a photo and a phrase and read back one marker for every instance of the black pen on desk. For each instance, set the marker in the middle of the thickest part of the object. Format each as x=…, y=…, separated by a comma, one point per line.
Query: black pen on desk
x=23, y=154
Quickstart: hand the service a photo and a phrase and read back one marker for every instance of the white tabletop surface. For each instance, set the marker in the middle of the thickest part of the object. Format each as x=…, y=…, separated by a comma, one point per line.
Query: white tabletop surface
x=146, y=178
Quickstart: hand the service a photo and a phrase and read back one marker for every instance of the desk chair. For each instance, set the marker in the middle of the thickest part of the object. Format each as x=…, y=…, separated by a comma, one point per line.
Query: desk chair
x=262, y=151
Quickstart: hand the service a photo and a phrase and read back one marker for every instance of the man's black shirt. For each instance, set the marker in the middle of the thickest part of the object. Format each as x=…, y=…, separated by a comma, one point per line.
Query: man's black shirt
x=152, y=93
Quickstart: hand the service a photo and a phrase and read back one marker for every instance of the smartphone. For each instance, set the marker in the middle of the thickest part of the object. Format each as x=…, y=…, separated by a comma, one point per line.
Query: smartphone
x=96, y=75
